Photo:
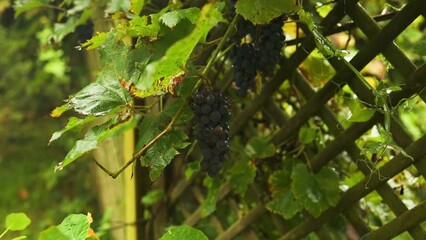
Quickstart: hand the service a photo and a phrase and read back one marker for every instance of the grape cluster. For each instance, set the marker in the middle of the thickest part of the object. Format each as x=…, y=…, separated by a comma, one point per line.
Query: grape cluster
x=268, y=49
x=211, y=110
x=257, y=49
x=244, y=66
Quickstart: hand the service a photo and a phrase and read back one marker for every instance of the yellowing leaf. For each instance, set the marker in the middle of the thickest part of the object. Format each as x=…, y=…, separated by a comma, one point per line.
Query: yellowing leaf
x=58, y=111
x=136, y=6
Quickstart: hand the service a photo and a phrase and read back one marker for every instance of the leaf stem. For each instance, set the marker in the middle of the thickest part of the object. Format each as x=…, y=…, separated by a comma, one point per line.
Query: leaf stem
x=5, y=231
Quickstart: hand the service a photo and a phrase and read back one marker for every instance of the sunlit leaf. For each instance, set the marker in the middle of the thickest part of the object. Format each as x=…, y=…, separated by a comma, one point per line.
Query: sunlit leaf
x=145, y=26
x=159, y=73
x=171, y=19
x=263, y=11
x=17, y=221
x=136, y=6
x=315, y=192
x=58, y=111
x=74, y=226
x=307, y=135
x=96, y=41
x=183, y=233
x=361, y=115
x=100, y=97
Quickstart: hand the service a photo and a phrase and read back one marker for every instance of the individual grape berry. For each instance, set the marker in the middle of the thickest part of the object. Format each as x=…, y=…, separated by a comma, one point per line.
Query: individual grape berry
x=214, y=116
x=206, y=108
x=222, y=145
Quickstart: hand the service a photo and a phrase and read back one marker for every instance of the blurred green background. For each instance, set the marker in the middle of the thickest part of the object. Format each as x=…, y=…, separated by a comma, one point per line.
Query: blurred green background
x=35, y=77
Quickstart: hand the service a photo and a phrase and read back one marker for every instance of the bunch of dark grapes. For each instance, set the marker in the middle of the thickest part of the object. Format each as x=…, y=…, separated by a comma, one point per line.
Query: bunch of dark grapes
x=269, y=45
x=243, y=57
x=257, y=49
x=211, y=110
x=244, y=67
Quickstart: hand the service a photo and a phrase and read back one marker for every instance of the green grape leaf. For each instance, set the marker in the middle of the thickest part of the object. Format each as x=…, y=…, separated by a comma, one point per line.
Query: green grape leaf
x=136, y=6
x=100, y=98
x=52, y=233
x=242, y=174
x=96, y=41
x=209, y=204
x=152, y=125
x=307, y=135
x=158, y=74
x=163, y=151
x=17, y=221
x=75, y=226
x=263, y=11
x=74, y=124
x=285, y=204
x=315, y=192
x=26, y=5
x=152, y=197
x=373, y=147
x=121, y=62
x=183, y=233
x=94, y=136
x=279, y=180
x=283, y=201
x=145, y=26
x=259, y=147
x=171, y=19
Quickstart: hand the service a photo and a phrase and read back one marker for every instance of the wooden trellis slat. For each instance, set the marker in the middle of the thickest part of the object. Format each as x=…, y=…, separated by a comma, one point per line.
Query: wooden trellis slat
x=405, y=221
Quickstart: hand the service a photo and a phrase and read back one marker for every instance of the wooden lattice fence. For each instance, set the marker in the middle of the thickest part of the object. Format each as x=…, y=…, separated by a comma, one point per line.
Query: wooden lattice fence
x=180, y=191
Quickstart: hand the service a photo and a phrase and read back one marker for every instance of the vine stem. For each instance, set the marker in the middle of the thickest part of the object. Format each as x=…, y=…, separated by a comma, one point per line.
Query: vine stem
x=169, y=126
